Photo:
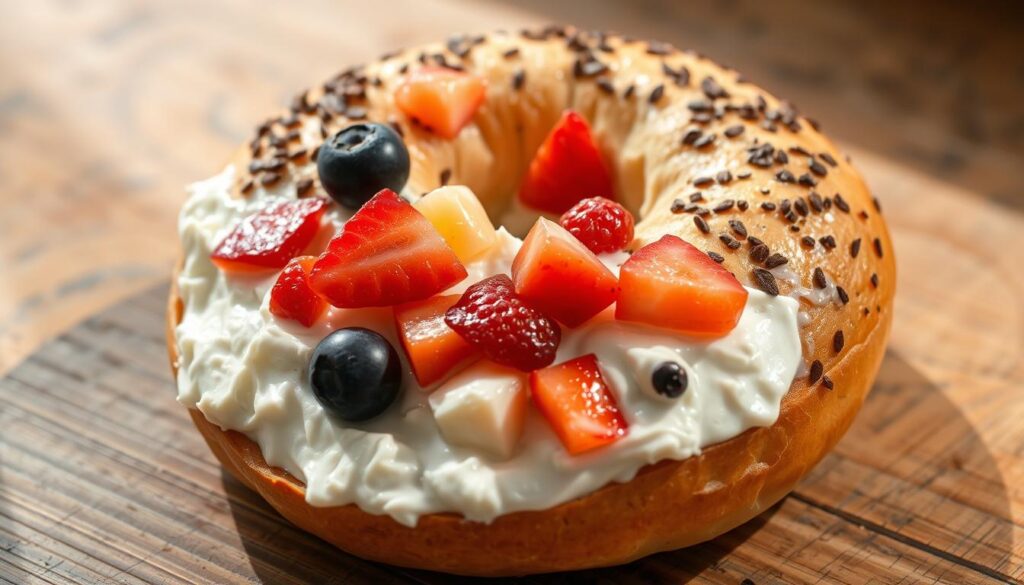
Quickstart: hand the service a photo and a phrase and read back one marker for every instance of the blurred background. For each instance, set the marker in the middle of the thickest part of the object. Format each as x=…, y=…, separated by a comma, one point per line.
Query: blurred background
x=107, y=108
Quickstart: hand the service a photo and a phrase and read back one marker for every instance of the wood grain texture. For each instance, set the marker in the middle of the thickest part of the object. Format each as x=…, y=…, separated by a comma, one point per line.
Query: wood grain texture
x=104, y=479
x=108, y=108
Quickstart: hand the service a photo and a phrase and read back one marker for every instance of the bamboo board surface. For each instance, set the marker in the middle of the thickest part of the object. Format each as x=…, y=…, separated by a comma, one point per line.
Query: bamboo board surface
x=118, y=104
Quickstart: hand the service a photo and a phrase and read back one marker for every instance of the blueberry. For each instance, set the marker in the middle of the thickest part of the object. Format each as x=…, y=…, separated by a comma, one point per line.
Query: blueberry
x=355, y=373
x=359, y=161
x=669, y=379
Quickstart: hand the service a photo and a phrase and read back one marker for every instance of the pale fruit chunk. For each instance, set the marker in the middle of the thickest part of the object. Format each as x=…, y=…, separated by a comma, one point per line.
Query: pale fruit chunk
x=483, y=408
x=459, y=217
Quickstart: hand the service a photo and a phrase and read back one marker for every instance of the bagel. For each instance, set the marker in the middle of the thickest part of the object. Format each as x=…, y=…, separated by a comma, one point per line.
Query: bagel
x=671, y=124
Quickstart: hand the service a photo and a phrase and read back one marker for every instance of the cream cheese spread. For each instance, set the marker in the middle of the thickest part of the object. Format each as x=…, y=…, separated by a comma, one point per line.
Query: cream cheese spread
x=245, y=370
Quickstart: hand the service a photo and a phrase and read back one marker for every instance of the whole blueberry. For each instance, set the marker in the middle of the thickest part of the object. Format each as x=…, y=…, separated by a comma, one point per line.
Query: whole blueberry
x=355, y=373
x=669, y=379
x=359, y=161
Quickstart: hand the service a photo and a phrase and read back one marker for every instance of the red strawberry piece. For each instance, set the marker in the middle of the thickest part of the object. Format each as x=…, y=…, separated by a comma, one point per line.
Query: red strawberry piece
x=574, y=398
x=434, y=349
x=271, y=237
x=601, y=224
x=291, y=297
x=550, y=264
x=444, y=100
x=491, y=317
x=386, y=254
x=672, y=284
x=566, y=168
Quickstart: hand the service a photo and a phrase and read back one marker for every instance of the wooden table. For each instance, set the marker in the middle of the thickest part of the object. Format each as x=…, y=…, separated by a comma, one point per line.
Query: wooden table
x=107, y=109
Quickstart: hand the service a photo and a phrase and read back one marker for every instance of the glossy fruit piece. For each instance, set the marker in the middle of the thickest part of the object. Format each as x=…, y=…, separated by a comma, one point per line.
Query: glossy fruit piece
x=492, y=318
x=441, y=99
x=672, y=284
x=434, y=349
x=355, y=374
x=601, y=224
x=386, y=254
x=460, y=219
x=359, y=161
x=577, y=403
x=558, y=275
x=271, y=237
x=291, y=297
x=568, y=167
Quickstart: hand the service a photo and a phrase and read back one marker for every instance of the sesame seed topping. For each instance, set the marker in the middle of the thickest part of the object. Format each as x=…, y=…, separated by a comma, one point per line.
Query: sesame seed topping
x=807, y=241
x=691, y=136
x=829, y=242
x=767, y=206
x=303, y=186
x=784, y=176
x=841, y=203
x=723, y=177
x=518, y=79
x=605, y=86
x=656, y=94
x=878, y=247
x=716, y=256
x=854, y=248
x=766, y=281
x=729, y=242
x=838, y=341
x=827, y=382
x=705, y=140
x=513, y=52
x=775, y=260
x=738, y=228
x=874, y=279
x=733, y=131
x=816, y=371
x=724, y=205
x=819, y=278
x=759, y=253
x=828, y=158
x=446, y=175
x=843, y=296
x=247, y=186
x=701, y=224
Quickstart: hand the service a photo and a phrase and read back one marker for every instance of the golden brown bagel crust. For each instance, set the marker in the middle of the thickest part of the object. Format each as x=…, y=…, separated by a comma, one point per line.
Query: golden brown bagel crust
x=657, y=158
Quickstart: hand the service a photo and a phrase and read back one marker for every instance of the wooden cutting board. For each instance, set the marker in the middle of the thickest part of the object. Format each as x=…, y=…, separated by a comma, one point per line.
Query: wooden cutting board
x=102, y=477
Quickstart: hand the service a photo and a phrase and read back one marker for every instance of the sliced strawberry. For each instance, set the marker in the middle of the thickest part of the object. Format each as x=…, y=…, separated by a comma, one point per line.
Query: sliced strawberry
x=551, y=263
x=567, y=167
x=434, y=349
x=491, y=317
x=672, y=284
x=601, y=224
x=271, y=237
x=291, y=297
x=386, y=254
x=444, y=100
x=577, y=403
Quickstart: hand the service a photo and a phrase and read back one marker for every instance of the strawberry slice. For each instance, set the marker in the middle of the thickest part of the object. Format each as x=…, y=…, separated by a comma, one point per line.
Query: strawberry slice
x=271, y=237
x=672, y=284
x=444, y=100
x=491, y=317
x=577, y=403
x=291, y=297
x=552, y=262
x=567, y=168
x=433, y=348
x=386, y=254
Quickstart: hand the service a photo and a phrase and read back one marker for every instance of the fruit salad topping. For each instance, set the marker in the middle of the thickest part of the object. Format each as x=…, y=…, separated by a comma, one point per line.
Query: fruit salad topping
x=441, y=99
x=271, y=237
x=568, y=167
x=434, y=349
x=386, y=254
x=601, y=224
x=550, y=264
x=292, y=298
x=574, y=398
x=360, y=161
x=355, y=373
x=672, y=284
x=492, y=317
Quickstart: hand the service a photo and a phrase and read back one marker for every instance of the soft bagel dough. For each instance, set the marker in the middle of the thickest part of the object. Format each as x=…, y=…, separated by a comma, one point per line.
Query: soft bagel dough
x=651, y=108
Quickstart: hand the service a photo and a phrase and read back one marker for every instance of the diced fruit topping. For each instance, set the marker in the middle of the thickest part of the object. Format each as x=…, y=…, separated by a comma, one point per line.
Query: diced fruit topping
x=577, y=403
x=483, y=407
x=567, y=168
x=386, y=254
x=491, y=317
x=672, y=284
x=271, y=237
x=444, y=100
x=359, y=161
x=601, y=224
x=355, y=374
x=433, y=348
x=460, y=219
x=291, y=297
x=558, y=275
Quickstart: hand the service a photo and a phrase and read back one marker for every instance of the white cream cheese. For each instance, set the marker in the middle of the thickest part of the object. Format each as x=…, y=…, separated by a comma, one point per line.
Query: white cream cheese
x=246, y=370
